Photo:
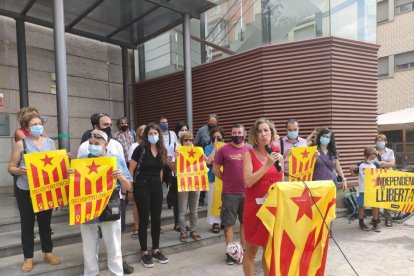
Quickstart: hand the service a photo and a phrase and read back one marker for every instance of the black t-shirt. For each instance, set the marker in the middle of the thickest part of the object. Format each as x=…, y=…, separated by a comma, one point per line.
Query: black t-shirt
x=150, y=165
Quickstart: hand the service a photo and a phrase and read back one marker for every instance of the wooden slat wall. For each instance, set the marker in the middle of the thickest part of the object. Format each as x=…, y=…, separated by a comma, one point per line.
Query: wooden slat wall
x=320, y=82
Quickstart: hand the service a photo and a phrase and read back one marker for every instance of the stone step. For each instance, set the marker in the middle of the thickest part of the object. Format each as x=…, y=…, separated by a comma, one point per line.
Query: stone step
x=10, y=243
x=72, y=256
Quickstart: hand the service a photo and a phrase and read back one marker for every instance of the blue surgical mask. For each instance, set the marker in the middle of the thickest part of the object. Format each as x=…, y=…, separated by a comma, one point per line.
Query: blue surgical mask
x=380, y=145
x=164, y=127
x=324, y=140
x=153, y=139
x=95, y=150
x=36, y=130
x=293, y=134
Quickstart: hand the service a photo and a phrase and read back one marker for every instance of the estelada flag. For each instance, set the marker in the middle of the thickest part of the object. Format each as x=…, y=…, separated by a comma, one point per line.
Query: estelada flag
x=298, y=236
x=91, y=187
x=389, y=189
x=301, y=163
x=47, y=175
x=191, y=169
x=215, y=207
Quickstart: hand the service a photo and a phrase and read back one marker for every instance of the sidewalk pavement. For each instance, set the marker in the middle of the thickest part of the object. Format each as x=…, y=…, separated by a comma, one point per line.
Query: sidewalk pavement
x=388, y=253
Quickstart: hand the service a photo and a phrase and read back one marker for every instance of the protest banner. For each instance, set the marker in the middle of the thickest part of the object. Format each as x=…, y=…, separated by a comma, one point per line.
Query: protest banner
x=191, y=169
x=301, y=163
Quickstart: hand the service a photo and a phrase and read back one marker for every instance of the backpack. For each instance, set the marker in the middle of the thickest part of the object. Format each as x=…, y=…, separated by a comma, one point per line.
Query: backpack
x=350, y=201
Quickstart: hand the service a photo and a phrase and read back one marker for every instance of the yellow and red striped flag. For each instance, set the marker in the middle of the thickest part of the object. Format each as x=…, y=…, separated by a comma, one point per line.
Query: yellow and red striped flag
x=91, y=187
x=48, y=179
x=191, y=169
x=389, y=189
x=298, y=237
x=301, y=163
x=215, y=207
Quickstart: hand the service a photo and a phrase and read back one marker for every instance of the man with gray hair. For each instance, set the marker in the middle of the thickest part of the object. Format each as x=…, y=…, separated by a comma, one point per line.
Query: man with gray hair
x=203, y=134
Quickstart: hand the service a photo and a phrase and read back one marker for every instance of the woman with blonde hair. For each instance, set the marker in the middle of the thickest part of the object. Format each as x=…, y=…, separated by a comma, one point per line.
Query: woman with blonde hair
x=259, y=174
x=34, y=142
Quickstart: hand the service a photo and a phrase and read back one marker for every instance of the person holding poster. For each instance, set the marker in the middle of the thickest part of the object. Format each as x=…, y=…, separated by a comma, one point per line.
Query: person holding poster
x=230, y=157
x=109, y=230
x=327, y=165
x=217, y=136
x=259, y=173
x=35, y=142
x=146, y=164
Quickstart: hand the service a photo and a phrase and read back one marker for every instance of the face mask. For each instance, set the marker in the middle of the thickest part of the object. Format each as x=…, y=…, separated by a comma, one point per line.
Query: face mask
x=36, y=130
x=153, y=139
x=107, y=130
x=210, y=126
x=293, y=134
x=164, y=127
x=237, y=139
x=95, y=150
x=324, y=140
x=124, y=128
x=380, y=145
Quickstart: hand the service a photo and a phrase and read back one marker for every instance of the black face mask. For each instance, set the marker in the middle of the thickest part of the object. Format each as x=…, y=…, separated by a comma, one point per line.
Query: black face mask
x=108, y=131
x=124, y=128
x=237, y=139
x=210, y=126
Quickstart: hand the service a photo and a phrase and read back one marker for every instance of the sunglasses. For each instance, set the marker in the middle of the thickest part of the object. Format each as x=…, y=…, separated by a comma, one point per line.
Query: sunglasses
x=188, y=140
x=97, y=136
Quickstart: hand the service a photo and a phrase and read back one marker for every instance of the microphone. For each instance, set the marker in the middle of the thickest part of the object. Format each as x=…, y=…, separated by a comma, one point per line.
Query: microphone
x=269, y=150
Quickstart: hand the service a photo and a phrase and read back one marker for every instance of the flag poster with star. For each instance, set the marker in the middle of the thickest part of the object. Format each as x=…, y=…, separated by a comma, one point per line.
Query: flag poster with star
x=48, y=179
x=301, y=163
x=191, y=169
x=216, y=203
x=91, y=187
x=389, y=189
x=298, y=237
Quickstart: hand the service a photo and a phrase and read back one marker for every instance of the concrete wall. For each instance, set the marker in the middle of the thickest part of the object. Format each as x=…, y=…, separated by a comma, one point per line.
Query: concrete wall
x=94, y=83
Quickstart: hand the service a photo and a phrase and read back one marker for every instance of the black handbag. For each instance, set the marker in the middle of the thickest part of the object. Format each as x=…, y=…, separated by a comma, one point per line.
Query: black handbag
x=112, y=210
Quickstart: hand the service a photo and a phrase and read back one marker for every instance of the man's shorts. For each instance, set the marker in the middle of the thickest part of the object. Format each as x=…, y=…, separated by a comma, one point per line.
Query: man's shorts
x=360, y=200
x=231, y=208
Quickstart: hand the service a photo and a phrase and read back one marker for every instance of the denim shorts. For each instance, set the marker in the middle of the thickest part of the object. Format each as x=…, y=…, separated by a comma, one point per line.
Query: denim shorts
x=360, y=200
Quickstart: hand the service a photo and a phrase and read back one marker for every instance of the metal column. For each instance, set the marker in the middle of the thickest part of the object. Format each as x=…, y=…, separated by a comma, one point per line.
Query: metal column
x=266, y=23
x=22, y=63
x=125, y=82
x=187, y=70
x=61, y=74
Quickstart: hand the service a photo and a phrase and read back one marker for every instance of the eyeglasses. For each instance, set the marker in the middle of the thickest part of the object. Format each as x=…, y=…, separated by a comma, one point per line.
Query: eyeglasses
x=218, y=137
x=188, y=140
x=97, y=136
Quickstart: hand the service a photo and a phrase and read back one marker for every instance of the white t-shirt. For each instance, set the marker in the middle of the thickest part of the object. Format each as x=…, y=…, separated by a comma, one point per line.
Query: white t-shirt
x=171, y=151
x=361, y=176
x=387, y=155
x=131, y=150
x=114, y=147
x=169, y=139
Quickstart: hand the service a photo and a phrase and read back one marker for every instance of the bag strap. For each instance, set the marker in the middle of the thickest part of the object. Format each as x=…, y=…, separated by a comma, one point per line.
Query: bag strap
x=281, y=146
x=141, y=157
x=330, y=169
x=169, y=138
x=24, y=146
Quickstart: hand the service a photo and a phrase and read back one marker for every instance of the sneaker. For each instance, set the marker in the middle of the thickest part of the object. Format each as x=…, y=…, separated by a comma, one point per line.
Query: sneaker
x=362, y=225
x=160, y=257
x=375, y=226
x=229, y=259
x=146, y=260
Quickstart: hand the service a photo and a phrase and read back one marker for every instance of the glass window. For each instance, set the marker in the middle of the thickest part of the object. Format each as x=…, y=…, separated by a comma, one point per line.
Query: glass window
x=382, y=11
x=383, y=64
x=404, y=61
x=402, y=6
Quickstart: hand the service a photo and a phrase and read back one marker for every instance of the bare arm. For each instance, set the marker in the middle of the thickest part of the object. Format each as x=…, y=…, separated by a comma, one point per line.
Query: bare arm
x=210, y=157
x=19, y=135
x=340, y=172
x=387, y=164
x=132, y=165
x=217, y=172
x=311, y=137
x=251, y=178
x=126, y=185
x=13, y=167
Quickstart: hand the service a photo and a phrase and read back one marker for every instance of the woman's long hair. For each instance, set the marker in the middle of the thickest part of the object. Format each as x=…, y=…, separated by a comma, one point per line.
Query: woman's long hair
x=332, y=144
x=162, y=153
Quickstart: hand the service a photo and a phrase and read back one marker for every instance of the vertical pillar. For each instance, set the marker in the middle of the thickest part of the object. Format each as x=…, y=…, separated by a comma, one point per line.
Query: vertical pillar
x=61, y=74
x=141, y=61
x=361, y=20
x=266, y=23
x=318, y=24
x=203, y=50
x=187, y=70
x=125, y=82
x=22, y=63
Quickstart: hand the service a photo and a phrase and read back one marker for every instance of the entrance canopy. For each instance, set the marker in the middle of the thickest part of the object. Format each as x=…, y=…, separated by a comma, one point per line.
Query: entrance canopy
x=120, y=22
x=397, y=120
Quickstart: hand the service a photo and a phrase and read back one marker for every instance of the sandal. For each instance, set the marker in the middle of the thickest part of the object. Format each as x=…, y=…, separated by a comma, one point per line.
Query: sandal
x=183, y=237
x=388, y=223
x=127, y=268
x=195, y=235
x=177, y=228
x=134, y=234
x=216, y=228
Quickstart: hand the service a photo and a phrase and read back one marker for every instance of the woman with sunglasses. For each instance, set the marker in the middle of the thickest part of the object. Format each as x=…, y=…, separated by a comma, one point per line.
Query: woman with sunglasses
x=148, y=159
x=189, y=199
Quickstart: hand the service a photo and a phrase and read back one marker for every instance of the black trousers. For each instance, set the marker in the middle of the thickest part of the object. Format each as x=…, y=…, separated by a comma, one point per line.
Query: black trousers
x=27, y=220
x=148, y=196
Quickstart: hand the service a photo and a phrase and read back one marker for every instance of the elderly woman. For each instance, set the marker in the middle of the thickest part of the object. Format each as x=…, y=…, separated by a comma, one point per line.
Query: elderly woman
x=259, y=174
x=110, y=230
x=34, y=142
x=386, y=159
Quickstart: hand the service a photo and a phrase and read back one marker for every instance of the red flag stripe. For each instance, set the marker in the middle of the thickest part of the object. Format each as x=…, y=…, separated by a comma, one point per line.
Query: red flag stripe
x=46, y=179
x=49, y=199
x=203, y=183
x=321, y=270
x=188, y=166
x=67, y=191
x=195, y=167
x=182, y=181
x=88, y=186
x=99, y=185
x=59, y=197
x=189, y=182
x=288, y=249
x=300, y=169
x=88, y=211
x=307, y=254
x=78, y=213
x=39, y=201
x=197, y=182
x=76, y=188
x=98, y=206
x=109, y=179
x=63, y=169
x=294, y=164
x=182, y=163
x=201, y=161
x=35, y=175
x=55, y=175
